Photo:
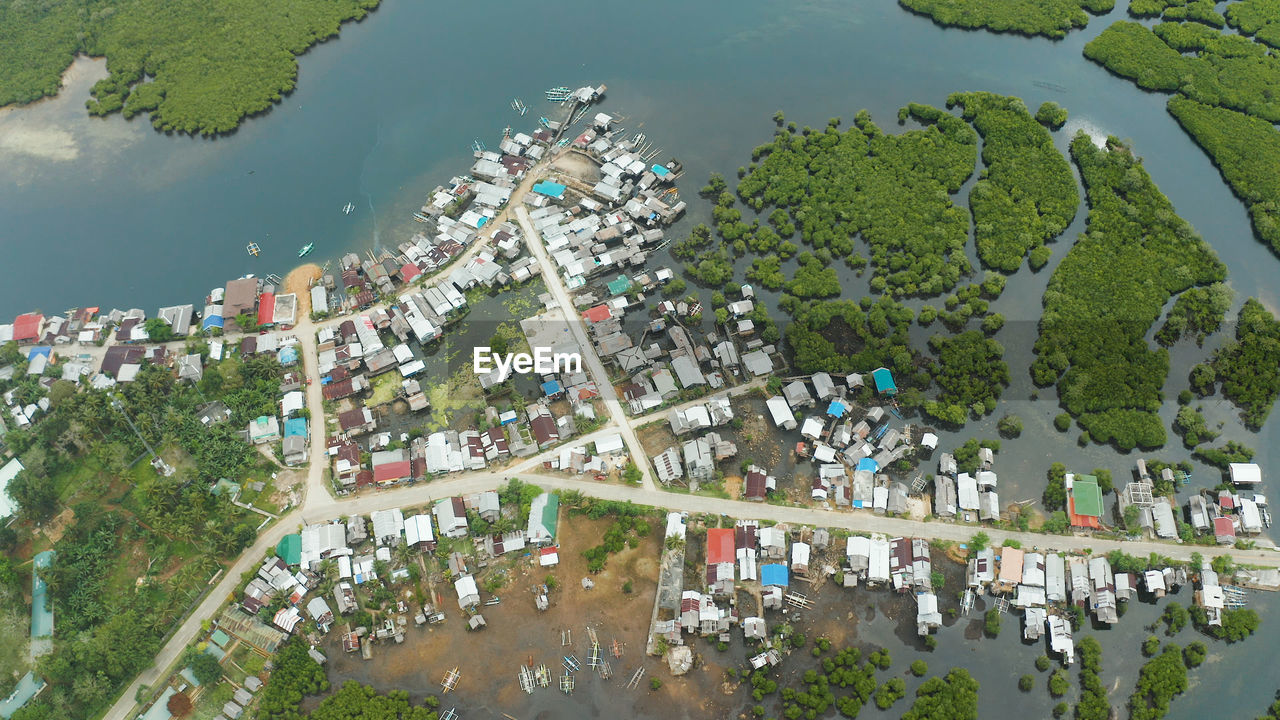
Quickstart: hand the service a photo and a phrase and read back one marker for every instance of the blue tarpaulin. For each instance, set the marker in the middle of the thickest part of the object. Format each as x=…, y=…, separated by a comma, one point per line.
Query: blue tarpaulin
x=868, y=464
x=773, y=575
x=551, y=388
x=660, y=170
x=211, y=321
x=836, y=409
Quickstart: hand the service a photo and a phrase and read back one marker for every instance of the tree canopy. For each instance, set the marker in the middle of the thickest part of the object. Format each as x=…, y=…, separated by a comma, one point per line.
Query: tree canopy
x=1027, y=196
x=954, y=697
x=893, y=190
x=197, y=67
x=1050, y=18
x=1108, y=291
x=1248, y=366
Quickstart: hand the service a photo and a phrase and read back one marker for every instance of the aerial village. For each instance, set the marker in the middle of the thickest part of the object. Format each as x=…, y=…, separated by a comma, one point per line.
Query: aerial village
x=586, y=226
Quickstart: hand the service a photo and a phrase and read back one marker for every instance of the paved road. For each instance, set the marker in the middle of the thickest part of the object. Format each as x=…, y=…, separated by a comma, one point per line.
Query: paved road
x=551, y=278
x=315, y=484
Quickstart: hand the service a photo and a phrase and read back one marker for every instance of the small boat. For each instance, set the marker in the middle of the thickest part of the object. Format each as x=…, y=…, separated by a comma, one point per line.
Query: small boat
x=306, y=249
x=346, y=210
x=253, y=249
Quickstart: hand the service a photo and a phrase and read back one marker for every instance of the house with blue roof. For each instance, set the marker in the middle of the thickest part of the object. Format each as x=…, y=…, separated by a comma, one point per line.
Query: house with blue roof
x=552, y=388
x=553, y=190
x=295, y=427
x=884, y=381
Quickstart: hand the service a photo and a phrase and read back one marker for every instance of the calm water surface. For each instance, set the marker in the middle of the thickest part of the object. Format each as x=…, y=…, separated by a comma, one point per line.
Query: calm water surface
x=110, y=213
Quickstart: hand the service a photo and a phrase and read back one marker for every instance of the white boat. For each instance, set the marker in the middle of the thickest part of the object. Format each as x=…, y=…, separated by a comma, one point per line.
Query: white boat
x=348, y=208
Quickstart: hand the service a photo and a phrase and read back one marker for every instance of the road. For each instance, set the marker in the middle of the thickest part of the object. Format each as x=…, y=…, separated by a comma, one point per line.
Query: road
x=551, y=278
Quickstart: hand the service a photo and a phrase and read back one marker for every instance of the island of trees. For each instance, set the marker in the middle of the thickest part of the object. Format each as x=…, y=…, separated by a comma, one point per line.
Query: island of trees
x=1108, y=291
x=1247, y=366
x=893, y=190
x=1227, y=95
x=1027, y=196
x=1050, y=18
x=196, y=67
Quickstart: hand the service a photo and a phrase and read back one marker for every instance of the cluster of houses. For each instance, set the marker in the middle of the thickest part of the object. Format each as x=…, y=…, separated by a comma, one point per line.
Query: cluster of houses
x=1043, y=584
x=1229, y=514
x=361, y=548
x=902, y=564
x=745, y=553
x=967, y=495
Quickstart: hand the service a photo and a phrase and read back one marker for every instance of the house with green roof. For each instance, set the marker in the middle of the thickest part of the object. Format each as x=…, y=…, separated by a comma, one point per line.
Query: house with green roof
x=1084, y=502
x=619, y=285
x=289, y=549
x=544, y=516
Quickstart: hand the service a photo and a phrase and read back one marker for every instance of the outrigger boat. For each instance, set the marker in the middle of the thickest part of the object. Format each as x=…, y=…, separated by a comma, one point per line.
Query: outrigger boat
x=346, y=210
x=253, y=249
x=306, y=249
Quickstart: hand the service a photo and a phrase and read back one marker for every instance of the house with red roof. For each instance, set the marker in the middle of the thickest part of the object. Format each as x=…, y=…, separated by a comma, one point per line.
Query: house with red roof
x=408, y=272
x=1224, y=530
x=719, y=546
x=597, y=313
x=266, y=308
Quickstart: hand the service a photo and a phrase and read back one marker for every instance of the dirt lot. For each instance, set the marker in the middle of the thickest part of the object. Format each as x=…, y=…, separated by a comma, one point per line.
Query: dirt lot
x=298, y=281
x=517, y=633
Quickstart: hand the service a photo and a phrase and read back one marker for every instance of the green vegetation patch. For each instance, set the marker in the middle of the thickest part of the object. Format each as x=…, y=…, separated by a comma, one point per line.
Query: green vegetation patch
x=1228, y=71
x=1197, y=312
x=893, y=190
x=954, y=697
x=1160, y=680
x=1248, y=366
x=1108, y=291
x=197, y=67
x=841, y=336
x=1260, y=18
x=1246, y=151
x=1050, y=18
x=1027, y=195
x=970, y=372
